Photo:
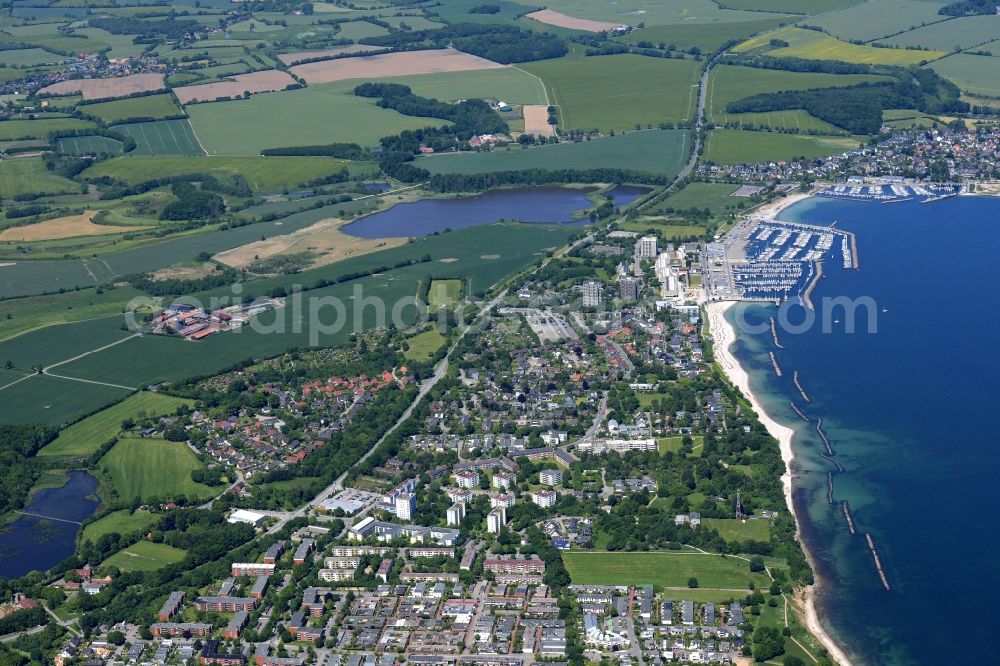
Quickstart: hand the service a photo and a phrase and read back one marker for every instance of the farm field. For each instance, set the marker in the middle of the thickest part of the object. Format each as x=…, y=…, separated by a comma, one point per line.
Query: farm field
x=29, y=176
x=70, y=226
x=145, y=556
x=263, y=174
x=457, y=11
x=89, y=145
x=29, y=57
x=867, y=21
x=666, y=569
x=444, y=293
x=246, y=127
x=391, y=64
x=619, y=92
x=298, y=56
x=162, y=137
x=905, y=118
x=730, y=83
x=633, y=12
x=705, y=36
x=39, y=129
x=954, y=35
x=235, y=86
x=549, y=17
x=510, y=84
x=86, y=436
x=107, y=88
x=53, y=401
x=814, y=45
x=658, y=151
x=149, y=106
x=732, y=529
x=788, y=6
x=36, y=312
x=726, y=146
x=120, y=522
x=153, y=469
x=360, y=29
x=714, y=196
x=979, y=75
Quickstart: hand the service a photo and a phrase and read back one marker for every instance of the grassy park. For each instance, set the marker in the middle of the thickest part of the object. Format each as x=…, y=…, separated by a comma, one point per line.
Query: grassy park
x=145, y=556
x=665, y=569
x=120, y=522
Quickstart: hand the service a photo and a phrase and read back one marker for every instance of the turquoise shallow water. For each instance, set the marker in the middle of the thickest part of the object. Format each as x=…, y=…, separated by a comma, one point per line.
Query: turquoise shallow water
x=909, y=411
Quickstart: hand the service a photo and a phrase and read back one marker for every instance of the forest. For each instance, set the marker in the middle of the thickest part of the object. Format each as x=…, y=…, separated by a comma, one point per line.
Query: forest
x=499, y=43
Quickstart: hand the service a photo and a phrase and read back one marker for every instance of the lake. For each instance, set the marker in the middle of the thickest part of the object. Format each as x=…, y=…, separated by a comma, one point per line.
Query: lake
x=31, y=543
x=623, y=195
x=553, y=205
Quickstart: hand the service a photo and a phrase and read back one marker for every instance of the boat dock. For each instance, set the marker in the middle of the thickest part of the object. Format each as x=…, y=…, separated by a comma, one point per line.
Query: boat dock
x=878, y=561
x=798, y=385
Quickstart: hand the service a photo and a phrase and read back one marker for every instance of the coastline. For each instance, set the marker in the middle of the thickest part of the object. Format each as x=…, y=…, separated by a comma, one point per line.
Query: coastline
x=723, y=337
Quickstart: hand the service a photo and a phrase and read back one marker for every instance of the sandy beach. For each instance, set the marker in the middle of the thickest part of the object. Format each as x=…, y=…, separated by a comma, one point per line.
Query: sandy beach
x=772, y=208
x=723, y=336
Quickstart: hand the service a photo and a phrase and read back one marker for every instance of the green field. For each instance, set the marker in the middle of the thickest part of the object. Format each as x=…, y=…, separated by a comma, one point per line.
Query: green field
x=731, y=529
x=39, y=129
x=153, y=469
x=511, y=85
x=667, y=569
x=714, y=196
x=359, y=30
x=619, y=92
x=729, y=83
x=956, y=35
x=88, y=145
x=162, y=137
x=29, y=176
x=54, y=401
x=145, y=556
x=813, y=45
x=264, y=174
x=444, y=293
x=424, y=345
x=120, y=522
x=867, y=21
x=725, y=146
x=788, y=6
x=707, y=36
x=658, y=151
x=662, y=12
x=86, y=436
x=319, y=114
x=979, y=75
x=148, y=106
x=28, y=57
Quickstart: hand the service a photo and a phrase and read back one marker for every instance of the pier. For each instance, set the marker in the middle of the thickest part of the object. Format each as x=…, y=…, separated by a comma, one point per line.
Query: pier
x=826, y=440
x=878, y=562
x=774, y=334
x=798, y=411
x=855, y=258
x=829, y=487
x=846, y=508
x=798, y=385
x=812, y=285
x=836, y=463
x=774, y=362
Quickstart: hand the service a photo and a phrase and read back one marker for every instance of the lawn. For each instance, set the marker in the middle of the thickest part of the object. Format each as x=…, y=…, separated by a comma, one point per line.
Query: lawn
x=729, y=83
x=979, y=75
x=29, y=176
x=153, y=469
x=666, y=229
x=726, y=146
x=86, y=436
x=658, y=151
x=319, y=114
x=147, y=106
x=263, y=174
x=162, y=137
x=667, y=569
x=120, y=522
x=813, y=45
x=444, y=293
x=732, y=529
x=866, y=21
x=664, y=444
x=145, y=556
x=424, y=345
x=708, y=36
x=714, y=196
x=619, y=92
x=39, y=129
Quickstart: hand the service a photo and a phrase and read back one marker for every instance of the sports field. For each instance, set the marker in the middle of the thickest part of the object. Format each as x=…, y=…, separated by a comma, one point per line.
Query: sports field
x=813, y=45
x=162, y=137
x=729, y=83
x=86, y=436
x=706, y=36
x=145, y=556
x=149, y=106
x=153, y=469
x=667, y=569
x=29, y=176
x=657, y=151
x=725, y=146
x=264, y=174
x=979, y=75
x=619, y=92
x=39, y=129
x=867, y=21
x=314, y=115
x=88, y=145
x=120, y=522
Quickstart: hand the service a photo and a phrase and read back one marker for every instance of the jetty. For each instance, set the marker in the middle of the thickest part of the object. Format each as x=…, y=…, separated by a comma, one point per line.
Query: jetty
x=836, y=463
x=846, y=508
x=798, y=385
x=774, y=362
x=829, y=487
x=855, y=259
x=774, y=334
x=817, y=275
x=826, y=440
x=798, y=411
x=878, y=561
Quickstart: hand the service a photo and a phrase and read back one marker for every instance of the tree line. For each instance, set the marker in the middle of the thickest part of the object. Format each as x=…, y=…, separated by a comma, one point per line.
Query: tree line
x=500, y=43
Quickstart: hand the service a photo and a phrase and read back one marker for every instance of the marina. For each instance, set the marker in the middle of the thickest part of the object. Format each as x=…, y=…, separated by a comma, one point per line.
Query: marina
x=891, y=190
